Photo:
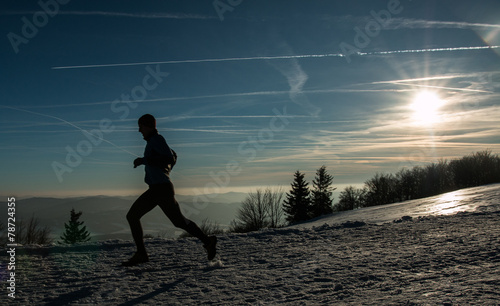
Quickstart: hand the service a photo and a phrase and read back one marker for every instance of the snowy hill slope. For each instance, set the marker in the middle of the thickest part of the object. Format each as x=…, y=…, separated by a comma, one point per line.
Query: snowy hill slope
x=447, y=259
x=483, y=198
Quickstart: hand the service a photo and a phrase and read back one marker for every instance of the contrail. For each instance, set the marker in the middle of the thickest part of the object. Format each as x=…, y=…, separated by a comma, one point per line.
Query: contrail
x=441, y=87
x=432, y=78
x=428, y=50
x=119, y=14
x=409, y=82
x=242, y=94
x=259, y=58
x=69, y=123
x=209, y=60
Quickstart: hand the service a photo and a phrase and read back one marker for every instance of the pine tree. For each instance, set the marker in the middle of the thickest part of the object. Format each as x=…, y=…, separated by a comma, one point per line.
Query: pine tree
x=322, y=201
x=74, y=233
x=298, y=204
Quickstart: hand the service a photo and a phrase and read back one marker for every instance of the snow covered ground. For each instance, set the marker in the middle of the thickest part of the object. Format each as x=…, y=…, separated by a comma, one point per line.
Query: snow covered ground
x=483, y=198
x=445, y=259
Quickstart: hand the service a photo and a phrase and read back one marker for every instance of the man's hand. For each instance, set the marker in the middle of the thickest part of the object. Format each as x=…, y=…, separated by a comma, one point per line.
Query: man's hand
x=138, y=162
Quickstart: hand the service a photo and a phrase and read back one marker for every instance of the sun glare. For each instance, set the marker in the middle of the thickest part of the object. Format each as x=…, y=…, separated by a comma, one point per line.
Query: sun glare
x=425, y=107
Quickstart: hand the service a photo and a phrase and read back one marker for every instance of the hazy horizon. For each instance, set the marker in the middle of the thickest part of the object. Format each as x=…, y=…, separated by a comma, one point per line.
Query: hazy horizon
x=245, y=93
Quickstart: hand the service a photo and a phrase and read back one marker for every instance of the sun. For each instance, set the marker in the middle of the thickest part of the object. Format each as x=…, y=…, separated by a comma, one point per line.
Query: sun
x=425, y=107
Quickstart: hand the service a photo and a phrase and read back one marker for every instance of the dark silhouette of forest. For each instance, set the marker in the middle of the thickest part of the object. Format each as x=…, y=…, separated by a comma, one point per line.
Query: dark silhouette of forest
x=301, y=203
x=476, y=169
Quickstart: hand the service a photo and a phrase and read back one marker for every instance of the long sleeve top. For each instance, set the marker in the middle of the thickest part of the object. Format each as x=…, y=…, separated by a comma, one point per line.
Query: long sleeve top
x=157, y=158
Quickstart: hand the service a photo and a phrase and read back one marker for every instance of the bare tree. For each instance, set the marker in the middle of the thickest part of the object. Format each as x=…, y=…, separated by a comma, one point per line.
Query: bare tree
x=32, y=233
x=253, y=211
x=260, y=209
x=274, y=203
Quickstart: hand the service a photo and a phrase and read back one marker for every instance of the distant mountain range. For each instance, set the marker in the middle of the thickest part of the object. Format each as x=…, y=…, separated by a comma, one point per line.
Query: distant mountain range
x=105, y=219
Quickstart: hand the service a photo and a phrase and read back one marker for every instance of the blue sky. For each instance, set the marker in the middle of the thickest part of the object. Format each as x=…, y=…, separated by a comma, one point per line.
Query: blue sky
x=246, y=92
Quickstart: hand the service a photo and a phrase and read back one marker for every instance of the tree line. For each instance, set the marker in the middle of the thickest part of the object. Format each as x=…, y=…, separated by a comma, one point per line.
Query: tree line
x=476, y=169
x=301, y=203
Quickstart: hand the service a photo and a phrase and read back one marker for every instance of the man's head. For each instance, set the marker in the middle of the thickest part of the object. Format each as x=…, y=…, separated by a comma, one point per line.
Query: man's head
x=147, y=125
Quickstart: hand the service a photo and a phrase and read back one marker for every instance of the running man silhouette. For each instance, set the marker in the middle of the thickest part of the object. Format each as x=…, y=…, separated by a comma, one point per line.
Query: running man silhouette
x=157, y=160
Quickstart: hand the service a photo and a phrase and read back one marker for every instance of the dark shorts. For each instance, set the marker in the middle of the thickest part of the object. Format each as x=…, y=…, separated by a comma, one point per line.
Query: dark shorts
x=162, y=195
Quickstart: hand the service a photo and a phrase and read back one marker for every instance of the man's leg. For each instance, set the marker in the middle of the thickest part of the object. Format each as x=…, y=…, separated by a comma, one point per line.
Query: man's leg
x=171, y=209
x=141, y=206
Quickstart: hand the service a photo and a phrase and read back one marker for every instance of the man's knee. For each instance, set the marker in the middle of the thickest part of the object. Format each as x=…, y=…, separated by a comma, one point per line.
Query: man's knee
x=131, y=218
x=181, y=223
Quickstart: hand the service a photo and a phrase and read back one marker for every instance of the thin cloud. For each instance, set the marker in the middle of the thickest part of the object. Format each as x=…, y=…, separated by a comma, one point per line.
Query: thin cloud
x=270, y=58
x=452, y=49
x=432, y=78
x=209, y=60
x=411, y=82
x=293, y=72
x=234, y=132
x=396, y=23
x=120, y=14
x=392, y=138
x=409, y=23
x=233, y=95
x=68, y=123
x=297, y=78
x=441, y=87
x=219, y=96
x=215, y=117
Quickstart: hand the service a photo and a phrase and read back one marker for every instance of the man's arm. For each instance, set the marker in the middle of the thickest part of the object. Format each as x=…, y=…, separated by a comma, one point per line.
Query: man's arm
x=163, y=155
x=138, y=161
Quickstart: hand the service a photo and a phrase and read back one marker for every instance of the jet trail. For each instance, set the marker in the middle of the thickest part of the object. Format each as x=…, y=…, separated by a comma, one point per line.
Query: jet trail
x=441, y=87
x=209, y=60
x=71, y=124
x=428, y=50
x=236, y=59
